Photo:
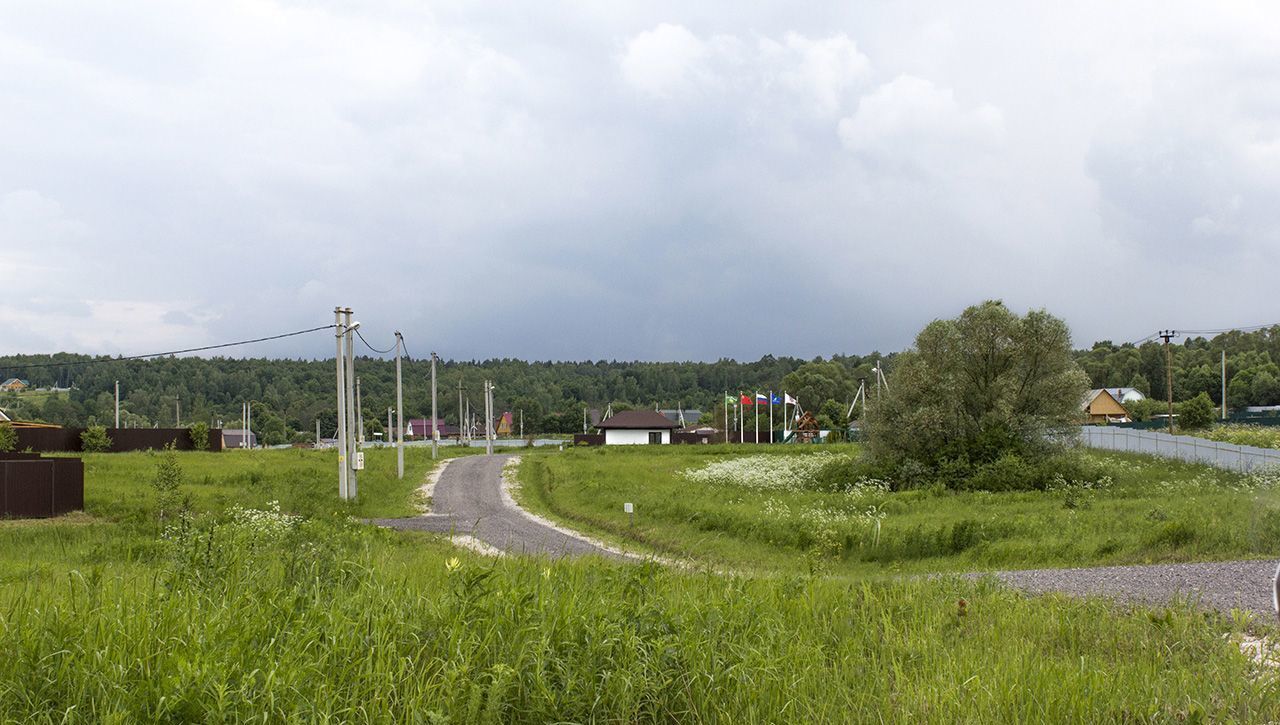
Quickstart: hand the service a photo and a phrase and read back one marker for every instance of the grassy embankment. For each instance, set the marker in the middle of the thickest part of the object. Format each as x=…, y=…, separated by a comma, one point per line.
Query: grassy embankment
x=240, y=615
x=1147, y=510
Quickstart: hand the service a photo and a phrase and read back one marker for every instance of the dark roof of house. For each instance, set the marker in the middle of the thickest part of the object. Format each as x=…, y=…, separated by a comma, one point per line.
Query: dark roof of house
x=673, y=414
x=637, y=420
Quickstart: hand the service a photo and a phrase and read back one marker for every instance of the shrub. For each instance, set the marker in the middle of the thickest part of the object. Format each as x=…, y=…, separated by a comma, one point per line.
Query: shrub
x=8, y=438
x=1195, y=413
x=166, y=479
x=94, y=439
x=199, y=436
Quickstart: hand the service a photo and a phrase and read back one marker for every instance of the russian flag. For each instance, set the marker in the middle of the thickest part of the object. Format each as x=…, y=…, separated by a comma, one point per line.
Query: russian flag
x=762, y=398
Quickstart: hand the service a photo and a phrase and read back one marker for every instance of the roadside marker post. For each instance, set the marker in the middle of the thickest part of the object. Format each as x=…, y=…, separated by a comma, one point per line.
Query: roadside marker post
x=630, y=509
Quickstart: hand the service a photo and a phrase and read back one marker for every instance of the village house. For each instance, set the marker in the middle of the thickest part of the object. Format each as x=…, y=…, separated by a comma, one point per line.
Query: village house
x=14, y=385
x=1101, y=406
x=636, y=427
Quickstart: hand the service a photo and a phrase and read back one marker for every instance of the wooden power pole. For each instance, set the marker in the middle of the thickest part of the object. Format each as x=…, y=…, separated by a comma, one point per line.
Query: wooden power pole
x=1168, y=372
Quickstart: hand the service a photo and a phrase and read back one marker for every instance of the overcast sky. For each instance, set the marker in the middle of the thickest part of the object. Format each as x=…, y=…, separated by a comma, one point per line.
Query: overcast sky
x=660, y=180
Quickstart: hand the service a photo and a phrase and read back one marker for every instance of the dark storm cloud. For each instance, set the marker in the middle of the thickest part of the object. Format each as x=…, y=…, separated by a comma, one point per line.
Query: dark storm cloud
x=648, y=181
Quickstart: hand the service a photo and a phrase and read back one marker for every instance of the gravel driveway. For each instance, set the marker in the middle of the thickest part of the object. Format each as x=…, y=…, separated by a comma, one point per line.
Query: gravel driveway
x=468, y=499
x=1220, y=585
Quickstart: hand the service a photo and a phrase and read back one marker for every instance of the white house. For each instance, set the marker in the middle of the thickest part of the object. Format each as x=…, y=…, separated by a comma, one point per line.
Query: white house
x=636, y=427
x=1125, y=395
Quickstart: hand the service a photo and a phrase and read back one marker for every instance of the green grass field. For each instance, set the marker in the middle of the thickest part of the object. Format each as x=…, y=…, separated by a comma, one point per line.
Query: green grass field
x=1151, y=510
x=306, y=615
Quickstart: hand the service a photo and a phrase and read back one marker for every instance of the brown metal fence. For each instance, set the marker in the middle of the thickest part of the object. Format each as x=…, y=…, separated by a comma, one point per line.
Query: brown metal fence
x=35, y=487
x=67, y=440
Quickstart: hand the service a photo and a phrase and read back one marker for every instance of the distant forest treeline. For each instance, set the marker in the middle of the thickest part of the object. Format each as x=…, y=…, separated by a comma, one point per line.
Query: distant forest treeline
x=290, y=395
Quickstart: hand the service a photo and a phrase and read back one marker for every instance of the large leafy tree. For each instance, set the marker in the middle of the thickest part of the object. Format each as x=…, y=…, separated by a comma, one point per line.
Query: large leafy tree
x=978, y=386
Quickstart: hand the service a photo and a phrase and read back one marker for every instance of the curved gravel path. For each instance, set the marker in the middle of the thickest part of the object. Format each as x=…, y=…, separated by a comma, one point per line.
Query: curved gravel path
x=469, y=500
x=1222, y=585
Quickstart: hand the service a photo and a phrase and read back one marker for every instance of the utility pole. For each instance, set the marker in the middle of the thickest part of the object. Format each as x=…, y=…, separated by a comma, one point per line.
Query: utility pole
x=461, y=422
x=488, y=418
x=339, y=360
x=177, y=412
x=350, y=346
x=317, y=443
x=522, y=422
x=359, y=416
x=399, y=409
x=117, y=403
x=1168, y=372
x=248, y=436
x=435, y=429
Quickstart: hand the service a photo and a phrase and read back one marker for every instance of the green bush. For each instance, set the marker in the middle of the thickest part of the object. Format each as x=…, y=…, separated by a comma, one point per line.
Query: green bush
x=1195, y=413
x=94, y=439
x=8, y=437
x=199, y=436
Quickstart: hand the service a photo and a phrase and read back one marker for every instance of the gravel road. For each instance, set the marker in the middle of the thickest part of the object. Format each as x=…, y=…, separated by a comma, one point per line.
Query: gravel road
x=1220, y=585
x=468, y=499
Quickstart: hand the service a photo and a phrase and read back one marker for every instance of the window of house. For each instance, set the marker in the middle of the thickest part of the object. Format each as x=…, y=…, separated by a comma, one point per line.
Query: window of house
x=655, y=436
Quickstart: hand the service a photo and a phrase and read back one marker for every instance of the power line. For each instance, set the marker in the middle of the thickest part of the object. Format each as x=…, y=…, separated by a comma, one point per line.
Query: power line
x=1218, y=331
x=371, y=347
x=94, y=361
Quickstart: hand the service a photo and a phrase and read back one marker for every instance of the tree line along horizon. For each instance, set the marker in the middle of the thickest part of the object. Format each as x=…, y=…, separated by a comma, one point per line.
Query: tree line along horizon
x=289, y=395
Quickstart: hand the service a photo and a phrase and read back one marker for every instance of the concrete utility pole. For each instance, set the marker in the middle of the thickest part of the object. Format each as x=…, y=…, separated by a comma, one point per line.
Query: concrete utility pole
x=339, y=360
x=522, y=422
x=488, y=418
x=435, y=429
x=390, y=428
x=1168, y=372
x=317, y=443
x=248, y=435
x=352, y=475
x=117, y=403
x=177, y=412
x=399, y=409
x=359, y=416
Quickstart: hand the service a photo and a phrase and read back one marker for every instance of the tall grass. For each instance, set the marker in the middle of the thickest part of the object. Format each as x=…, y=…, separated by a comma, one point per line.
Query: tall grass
x=369, y=628
x=1262, y=436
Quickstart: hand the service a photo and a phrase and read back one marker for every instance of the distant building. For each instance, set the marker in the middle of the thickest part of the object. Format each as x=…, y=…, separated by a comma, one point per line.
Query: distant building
x=14, y=385
x=637, y=427
x=1101, y=406
x=421, y=428
x=1126, y=395
x=238, y=438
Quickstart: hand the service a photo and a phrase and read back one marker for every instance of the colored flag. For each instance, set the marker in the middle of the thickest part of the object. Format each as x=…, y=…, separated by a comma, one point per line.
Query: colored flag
x=762, y=398
x=746, y=400
x=730, y=400
x=791, y=400
x=775, y=399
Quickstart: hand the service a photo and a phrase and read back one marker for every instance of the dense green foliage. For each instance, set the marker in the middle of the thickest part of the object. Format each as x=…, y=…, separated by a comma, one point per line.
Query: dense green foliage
x=290, y=395
x=94, y=439
x=1195, y=413
x=1247, y=435
x=248, y=611
x=1130, y=509
x=987, y=386
x=8, y=437
x=1253, y=377
x=199, y=435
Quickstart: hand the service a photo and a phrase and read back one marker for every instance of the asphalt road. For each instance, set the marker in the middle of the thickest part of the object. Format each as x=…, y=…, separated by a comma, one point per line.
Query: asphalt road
x=1220, y=585
x=468, y=500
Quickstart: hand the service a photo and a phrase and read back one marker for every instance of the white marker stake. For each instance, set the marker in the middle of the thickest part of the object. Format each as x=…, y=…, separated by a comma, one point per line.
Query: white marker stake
x=630, y=510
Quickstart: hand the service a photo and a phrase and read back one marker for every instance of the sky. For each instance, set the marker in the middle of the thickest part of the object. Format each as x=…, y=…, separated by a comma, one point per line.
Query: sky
x=653, y=181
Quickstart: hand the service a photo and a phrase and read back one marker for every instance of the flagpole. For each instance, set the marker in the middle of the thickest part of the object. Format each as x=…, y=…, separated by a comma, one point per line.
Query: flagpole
x=755, y=414
x=770, y=416
x=726, y=416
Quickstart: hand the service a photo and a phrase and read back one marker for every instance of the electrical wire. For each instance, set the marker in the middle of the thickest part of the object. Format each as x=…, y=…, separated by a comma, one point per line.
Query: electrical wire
x=1218, y=331
x=371, y=347
x=94, y=361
